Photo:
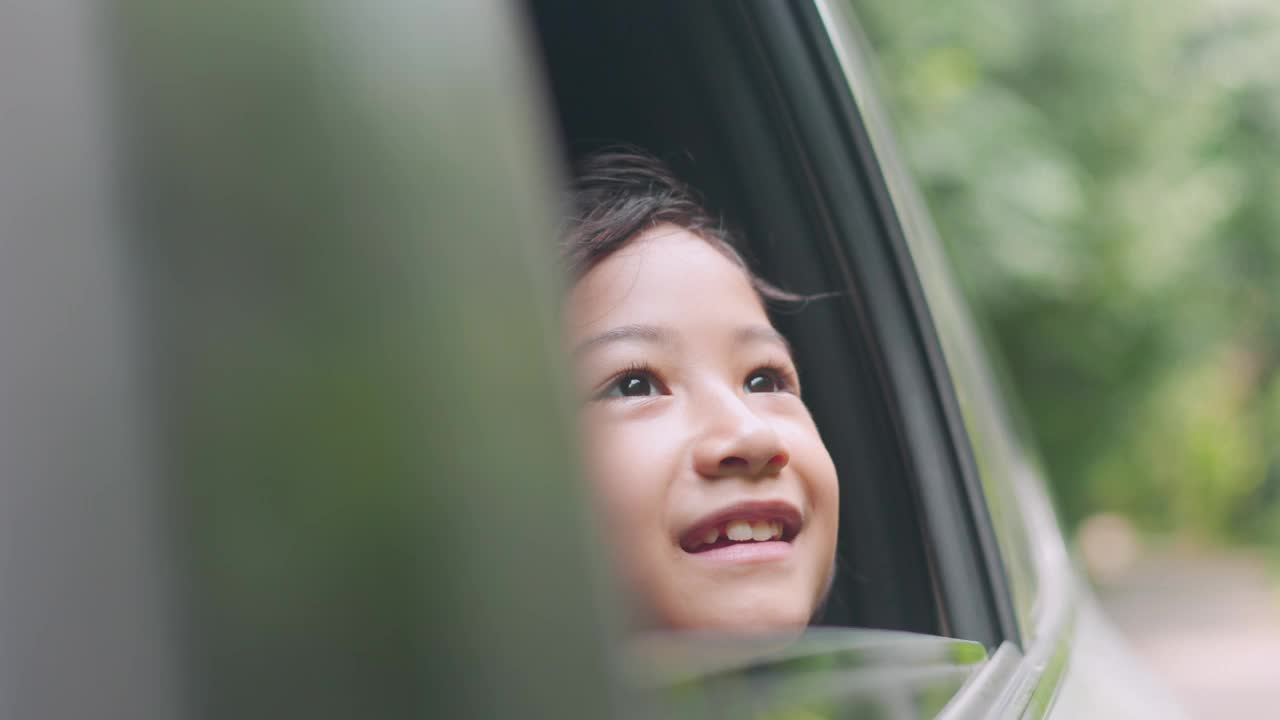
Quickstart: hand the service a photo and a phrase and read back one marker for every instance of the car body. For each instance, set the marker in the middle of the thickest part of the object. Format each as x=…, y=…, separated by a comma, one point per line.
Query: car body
x=282, y=284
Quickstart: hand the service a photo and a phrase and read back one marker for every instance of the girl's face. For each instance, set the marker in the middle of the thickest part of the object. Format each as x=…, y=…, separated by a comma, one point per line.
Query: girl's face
x=717, y=494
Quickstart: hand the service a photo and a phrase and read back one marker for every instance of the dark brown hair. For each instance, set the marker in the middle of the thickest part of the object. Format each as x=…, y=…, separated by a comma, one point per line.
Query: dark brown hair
x=622, y=191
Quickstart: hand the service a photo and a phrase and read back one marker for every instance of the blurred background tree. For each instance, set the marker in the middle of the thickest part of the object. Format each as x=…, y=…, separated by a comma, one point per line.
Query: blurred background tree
x=1106, y=176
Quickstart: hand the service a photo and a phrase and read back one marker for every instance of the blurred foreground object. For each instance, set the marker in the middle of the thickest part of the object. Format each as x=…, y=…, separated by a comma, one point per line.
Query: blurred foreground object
x=242, y=474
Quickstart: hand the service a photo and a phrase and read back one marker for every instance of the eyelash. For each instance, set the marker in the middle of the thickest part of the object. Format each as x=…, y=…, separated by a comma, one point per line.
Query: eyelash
x=635, y=369
x=783, y=376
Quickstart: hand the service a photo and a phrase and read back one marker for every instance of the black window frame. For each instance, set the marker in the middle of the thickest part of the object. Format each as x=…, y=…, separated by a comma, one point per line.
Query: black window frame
x=830, y=126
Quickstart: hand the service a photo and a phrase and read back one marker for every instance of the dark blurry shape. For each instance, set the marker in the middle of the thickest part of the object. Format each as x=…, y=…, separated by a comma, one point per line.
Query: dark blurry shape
x=305, y=343
x=344, y=215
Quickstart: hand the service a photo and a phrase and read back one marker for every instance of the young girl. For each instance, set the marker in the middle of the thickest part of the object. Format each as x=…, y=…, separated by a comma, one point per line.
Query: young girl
x=717, y=494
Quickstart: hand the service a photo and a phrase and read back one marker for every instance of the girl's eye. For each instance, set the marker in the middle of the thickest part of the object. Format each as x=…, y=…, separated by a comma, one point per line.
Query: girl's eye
x=635, y=387
x=633, y=384
x=764, y=381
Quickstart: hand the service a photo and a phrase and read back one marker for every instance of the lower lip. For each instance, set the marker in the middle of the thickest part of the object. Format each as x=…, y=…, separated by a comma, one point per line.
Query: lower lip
x=747, y=552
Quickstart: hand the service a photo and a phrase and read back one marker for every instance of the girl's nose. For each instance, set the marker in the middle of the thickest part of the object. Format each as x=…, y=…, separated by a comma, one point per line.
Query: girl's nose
x=738, y=442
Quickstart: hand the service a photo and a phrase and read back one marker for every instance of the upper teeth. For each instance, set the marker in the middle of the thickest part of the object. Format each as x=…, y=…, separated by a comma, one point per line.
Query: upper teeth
x=742, y=531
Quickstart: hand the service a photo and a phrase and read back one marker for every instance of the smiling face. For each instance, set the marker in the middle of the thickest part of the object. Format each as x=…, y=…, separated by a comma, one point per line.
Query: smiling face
x=718, y=496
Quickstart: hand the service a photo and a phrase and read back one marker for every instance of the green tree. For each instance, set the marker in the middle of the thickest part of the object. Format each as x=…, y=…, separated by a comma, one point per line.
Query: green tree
x=1104, y=174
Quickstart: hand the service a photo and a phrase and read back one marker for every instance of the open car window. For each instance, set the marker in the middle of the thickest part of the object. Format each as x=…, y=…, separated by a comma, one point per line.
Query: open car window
x=745, y=101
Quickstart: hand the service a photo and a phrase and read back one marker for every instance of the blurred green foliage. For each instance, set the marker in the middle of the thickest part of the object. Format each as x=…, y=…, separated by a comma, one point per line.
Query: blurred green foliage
x=1105, y=175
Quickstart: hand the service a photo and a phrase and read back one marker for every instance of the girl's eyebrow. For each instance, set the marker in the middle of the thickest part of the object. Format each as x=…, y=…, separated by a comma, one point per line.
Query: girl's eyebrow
x=763, y=333
x=643, y=333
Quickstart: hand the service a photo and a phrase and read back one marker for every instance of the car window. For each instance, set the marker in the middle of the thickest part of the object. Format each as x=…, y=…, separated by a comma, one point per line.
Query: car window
x=687, y=82
x=737, y=99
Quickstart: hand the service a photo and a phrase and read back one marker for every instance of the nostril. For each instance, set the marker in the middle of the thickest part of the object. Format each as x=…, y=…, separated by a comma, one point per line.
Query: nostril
x=779, y=459
x=733, y=461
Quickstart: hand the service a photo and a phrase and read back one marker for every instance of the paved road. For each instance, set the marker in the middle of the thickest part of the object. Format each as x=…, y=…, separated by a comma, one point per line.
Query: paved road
x=1209, y=625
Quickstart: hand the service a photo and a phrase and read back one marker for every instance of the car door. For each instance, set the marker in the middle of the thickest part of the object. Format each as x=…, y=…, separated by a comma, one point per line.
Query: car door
x=997, y=564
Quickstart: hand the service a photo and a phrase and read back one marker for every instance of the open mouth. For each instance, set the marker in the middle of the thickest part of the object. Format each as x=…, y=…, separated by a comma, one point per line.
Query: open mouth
x=743, y=524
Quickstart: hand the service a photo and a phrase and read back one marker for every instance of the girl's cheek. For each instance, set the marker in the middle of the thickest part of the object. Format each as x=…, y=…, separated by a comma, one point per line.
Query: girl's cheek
x=605, y=450
x=621, y=457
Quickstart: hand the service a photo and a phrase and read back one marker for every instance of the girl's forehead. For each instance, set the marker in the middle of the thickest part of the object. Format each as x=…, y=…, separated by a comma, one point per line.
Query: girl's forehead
x=666, y=274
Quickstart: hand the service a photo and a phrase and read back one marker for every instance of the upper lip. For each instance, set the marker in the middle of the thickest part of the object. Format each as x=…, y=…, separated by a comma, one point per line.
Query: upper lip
x=779, y=510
